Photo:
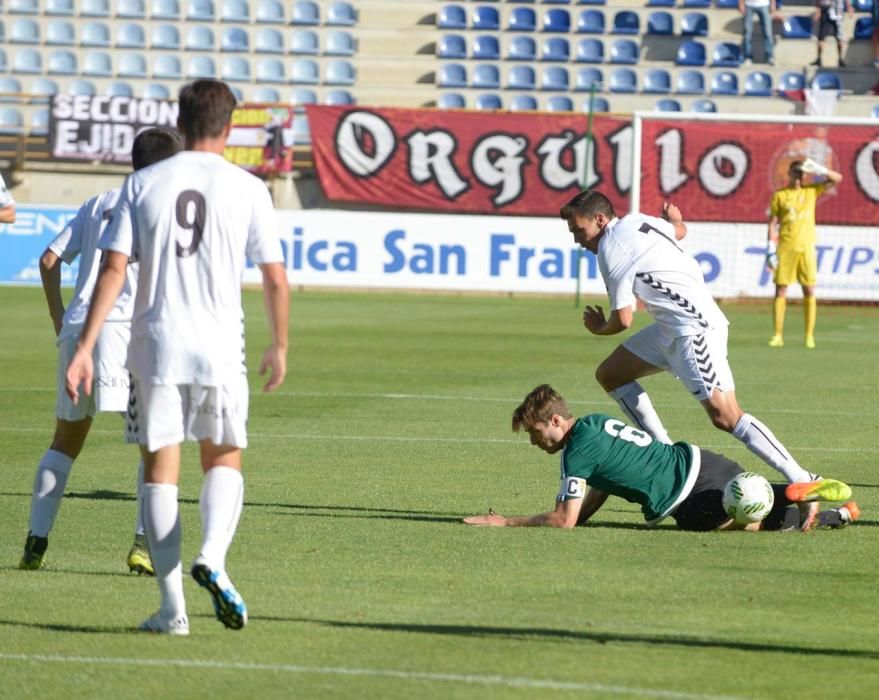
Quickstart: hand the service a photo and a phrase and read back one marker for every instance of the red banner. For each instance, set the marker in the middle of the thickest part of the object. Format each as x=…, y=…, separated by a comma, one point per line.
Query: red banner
x=489, y=163
x=727, y=171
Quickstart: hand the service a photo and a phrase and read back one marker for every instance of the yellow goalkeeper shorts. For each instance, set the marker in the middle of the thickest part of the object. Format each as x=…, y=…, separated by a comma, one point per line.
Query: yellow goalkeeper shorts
x=796, y=266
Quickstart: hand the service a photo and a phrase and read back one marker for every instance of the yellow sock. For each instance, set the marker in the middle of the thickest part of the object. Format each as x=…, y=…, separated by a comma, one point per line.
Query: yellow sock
x=778, y=309
x=810, y=310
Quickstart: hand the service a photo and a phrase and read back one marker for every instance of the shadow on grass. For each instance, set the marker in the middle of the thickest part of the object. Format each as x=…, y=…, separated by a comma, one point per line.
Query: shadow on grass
x=532, y=633
x=55, y=627
x=50, y=569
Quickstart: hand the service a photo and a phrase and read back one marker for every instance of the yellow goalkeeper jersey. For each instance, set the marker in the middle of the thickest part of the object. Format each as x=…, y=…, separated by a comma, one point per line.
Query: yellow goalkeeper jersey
x=795, y=210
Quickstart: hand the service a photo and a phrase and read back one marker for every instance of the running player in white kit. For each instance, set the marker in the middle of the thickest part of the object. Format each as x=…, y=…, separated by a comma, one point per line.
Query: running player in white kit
x=191, y=221
x=110, y=390
x=639, y=259
x=7, y=204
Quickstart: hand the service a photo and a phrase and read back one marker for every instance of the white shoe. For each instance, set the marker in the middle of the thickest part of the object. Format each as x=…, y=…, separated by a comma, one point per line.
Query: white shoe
x=229, y=606
x=160, y=624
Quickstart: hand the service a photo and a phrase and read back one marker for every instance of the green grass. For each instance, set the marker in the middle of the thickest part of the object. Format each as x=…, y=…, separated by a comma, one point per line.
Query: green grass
x=359, y=578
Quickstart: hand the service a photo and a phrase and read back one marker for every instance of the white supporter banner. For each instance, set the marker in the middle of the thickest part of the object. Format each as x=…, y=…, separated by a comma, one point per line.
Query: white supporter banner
x=337, y=248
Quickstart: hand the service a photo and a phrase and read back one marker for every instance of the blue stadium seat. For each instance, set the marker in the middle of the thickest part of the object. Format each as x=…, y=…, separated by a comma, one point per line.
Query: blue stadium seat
x=599, y=104
x=486, y=18
x=586, y=78
x=624, y=51
x=623, y=80
x=235, y=68
x=168, y=67
x=590, y=51
x=271, y=70
x=691, y=53
x=11, y=121
x=341, y=14
x=557, y=49
x=95, y=8
x=269, y=41
x=339, y=72
x=269, y=12
x=303, y=96
x=556, y=2
x=235, y=11
x=592, y=2
x=792, y=80
x=797, y=27
x=523, y=103
x=44, y=87
x=559, y=103
x=521, y=78
x=826, y=81
x=554, y=78
x=726, y=55
x=119, y=88
x=486, y=77
x=305, y=71
x=339, y=97
x=304, y=42
x=305, y=12
x=200, y=10
x=9, y=85
x=339, y=43
x=131, y=9
x=24, y=31
x=3, y=65
x=522, y=48
x=301, y=132
x=157, y=91
x=758, y=84
x=201, y=67
x=696, y=4
x=862, y=5
x=60, y=32
x=590, y=22
x=165, y=36
x=660, y=23
x=626, y=22
x=486, y=48
x=130, y=36
x=690, y=82
x=95, y=34
x=451, y=17
x=59, y=7
x=694, y=24
x=199, y=38
x=39, y=122
x=734, y=5
x=81, y=87
x=488, y=102
x=667, y=105
x=27, y=60
x=165, y=9
x=62, y=63
x=97, y=64
x=266, y=95
x=657, y=81
x=522, y=19
x=661, y=3
x=863, y=28
x=131, y=65
x=451, y=100
x=725, y=82
x=555, y=20
x=451, y=46
x=234, y=39
x=704, y=106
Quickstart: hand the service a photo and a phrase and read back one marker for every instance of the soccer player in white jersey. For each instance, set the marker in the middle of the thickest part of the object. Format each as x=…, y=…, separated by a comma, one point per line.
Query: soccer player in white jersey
x=640, y=259
x=110, y=389
x=191, y=221
x=7, y=204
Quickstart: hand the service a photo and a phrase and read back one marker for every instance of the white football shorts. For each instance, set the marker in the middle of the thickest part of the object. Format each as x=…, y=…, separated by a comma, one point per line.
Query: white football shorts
x=111, y=381
x=699, y=361
x=162, y=415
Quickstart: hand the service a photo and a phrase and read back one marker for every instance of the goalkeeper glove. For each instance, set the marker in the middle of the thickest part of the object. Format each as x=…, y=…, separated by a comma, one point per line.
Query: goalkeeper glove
x=771, y=257
x=810, y=166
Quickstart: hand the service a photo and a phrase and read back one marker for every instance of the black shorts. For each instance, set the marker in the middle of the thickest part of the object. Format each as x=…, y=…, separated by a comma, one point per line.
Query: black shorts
x=702, y=510
x=829, y=27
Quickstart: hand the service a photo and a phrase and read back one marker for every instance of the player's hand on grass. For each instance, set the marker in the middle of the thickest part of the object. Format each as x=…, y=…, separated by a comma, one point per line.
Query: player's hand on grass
x=491, y=520
x=80, y=372
x=274, y=360
x=593, y=318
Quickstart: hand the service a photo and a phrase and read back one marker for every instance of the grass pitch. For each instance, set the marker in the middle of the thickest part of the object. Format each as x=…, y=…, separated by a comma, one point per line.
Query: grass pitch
x=361, y=581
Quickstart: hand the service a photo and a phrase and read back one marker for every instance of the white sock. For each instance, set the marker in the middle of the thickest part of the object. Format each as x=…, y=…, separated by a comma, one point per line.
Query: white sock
x=760, y=440
x=138, y=518
x=222, y=496
x=161, y=517
x=635, y=403
x=49, y=483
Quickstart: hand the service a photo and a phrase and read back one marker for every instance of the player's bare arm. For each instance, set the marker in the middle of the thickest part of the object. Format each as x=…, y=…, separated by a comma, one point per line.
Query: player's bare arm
x=276, y=295
x=595, y=322
x=50, y=274
x=593, y=500
x=818, y=170
x=672, y=214
x=564, y=516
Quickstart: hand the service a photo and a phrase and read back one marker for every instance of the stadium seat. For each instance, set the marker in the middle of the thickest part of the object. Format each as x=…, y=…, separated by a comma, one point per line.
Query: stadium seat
x=269, y=12
x=131, y=65
x=267, y=95
x=590, y=51
x=554, y=78
x=23, y=7
x=559, y=103
x=97, y=64
x=339, y=97
x=661, y=3
x=119, y=88
x=305, y=12
x=27, y=60
x=734, y=4
x=696, y=4
x=165, y=36
x=268, y=41
x=24, y=31
x=626, y=22
x=3, y=65
x=797, y=27
x=11, y=121
x=590, y=22
x=667, y=105
x=521, y=78
x=59, y=7
x=165, y=9
x=451, y=46
x=657, y=81
x=599, y=104
x=301, y=132
x=486, y=48
x=724, y=83
x=61, y=63
x=167, y=67
x=44, y=87
x=303, y=96
x=864, y=28
x=587, y=78
x=304, y=42
x=95, y=8
x=341, y=14
x=555, y=20
x=703, y=106
x=694, y=24
x=862, y=5
x=157, y=91
x=557, y=49
x=199, y=38
x=758, y=84
x=60, y=32
x=81, y=87
x=624, y=51
x=200, y=10
x=660, y=23
x=826, y=81
x=592, y=2
x=523, y=103
x=488, y=102
x=623, y=80
x=201, y=67
x=451, y=17
x=522, y=48
x=271, y=70
x=691, y=53
x=234, y=39
x=522, y=19
x=874, y=113
x=451, y=100
x=690, y=82
x=130, y=36
x=726, y=55
x=339, y=72
x=486, y=77
x=339, y=43
x=235, y=68
x=305, y=71
x=235, y=11
x=792, y=80
x=9, y=85
x=237, y=93
x=130, y=9
x=486, y=18
x=39, y=122
x=95, y=34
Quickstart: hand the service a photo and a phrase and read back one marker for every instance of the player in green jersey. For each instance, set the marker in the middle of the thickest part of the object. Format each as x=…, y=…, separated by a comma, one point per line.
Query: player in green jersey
x=601, y=456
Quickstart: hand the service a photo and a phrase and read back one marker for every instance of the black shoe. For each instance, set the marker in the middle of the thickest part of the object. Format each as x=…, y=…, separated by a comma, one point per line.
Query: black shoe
x=841, y=63
x=34, y=553
x=816, y=62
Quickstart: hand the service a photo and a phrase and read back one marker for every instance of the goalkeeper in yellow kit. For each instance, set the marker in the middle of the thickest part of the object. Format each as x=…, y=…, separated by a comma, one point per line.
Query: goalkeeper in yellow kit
x=791, y=249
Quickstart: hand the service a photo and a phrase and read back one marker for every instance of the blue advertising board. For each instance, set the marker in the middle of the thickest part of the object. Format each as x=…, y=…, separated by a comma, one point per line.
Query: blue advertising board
x=22, y=243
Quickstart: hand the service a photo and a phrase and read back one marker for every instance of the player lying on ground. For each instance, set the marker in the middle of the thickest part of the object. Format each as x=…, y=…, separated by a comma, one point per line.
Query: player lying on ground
x=601, y=456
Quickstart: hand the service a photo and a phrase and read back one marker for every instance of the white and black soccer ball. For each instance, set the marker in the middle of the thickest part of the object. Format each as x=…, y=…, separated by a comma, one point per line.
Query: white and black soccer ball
x=748, y=498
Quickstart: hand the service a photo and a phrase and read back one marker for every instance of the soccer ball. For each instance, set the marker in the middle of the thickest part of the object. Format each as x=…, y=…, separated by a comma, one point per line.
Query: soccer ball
x=748, y=498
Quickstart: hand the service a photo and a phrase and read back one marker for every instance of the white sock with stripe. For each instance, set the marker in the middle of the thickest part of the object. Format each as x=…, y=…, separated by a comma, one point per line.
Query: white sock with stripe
x=634, y=402
x=760, y=440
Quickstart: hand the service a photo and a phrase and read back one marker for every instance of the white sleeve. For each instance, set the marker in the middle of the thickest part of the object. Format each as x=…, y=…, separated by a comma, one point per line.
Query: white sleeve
x=68, y=244
x=618, y=270
x=263, y=241
x=6, y=198
x=120, y=235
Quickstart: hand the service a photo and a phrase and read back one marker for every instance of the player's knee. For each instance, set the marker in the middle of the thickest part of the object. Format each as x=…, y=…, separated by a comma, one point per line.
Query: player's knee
x=604, y=378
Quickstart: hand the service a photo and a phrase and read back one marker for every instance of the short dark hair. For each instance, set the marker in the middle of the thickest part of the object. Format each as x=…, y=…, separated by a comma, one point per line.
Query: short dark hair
x=205, y=109
x=541, y=404
x=154, y=144
x=588, y=203
x=796, y=165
